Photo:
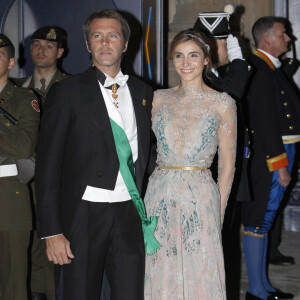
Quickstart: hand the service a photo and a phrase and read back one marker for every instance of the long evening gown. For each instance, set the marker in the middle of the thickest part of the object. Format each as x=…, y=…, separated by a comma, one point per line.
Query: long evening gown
x=189, y=126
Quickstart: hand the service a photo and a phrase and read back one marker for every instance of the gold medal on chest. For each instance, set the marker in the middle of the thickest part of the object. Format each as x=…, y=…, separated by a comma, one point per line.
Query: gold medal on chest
x=114, y=89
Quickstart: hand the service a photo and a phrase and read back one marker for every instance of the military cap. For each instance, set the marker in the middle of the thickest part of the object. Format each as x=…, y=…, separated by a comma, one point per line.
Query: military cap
x=215, y=24
x=48, y=33
x=5, y=41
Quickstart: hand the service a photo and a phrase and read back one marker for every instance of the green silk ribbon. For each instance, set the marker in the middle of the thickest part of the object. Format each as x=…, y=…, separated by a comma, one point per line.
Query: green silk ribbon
x=127, y=172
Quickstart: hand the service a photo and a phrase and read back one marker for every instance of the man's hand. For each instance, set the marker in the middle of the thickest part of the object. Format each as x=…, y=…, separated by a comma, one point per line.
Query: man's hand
x=58, y=250
x=284, y=176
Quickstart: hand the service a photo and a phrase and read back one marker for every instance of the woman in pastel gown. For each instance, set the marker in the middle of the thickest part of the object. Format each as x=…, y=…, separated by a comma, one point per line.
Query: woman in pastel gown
x=191, y=122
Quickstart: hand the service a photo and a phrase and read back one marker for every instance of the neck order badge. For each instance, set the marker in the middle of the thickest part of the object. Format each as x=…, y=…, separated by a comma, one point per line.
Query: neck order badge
x=114, y=89
x=127, y=172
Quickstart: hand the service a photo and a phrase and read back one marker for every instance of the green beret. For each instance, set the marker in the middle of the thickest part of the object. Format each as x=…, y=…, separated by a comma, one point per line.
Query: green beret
x=5, y=41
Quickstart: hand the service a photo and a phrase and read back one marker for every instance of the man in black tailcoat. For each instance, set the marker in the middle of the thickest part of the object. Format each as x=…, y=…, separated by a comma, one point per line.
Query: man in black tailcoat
x=84, y=209
x=225, y=50
x=274, y=111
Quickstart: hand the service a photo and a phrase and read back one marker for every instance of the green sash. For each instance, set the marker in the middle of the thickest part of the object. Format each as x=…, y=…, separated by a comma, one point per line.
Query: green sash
x=127, y=172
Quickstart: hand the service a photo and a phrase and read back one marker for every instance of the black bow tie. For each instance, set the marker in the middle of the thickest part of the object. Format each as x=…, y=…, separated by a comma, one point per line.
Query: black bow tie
x=100, y=75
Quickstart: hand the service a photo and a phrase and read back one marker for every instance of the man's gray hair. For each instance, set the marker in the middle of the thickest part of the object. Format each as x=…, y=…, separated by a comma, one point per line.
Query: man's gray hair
x=263, y=25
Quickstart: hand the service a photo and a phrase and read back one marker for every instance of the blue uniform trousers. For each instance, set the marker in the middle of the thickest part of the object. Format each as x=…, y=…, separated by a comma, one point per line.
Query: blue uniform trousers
x=276, y=195
x=255, y=241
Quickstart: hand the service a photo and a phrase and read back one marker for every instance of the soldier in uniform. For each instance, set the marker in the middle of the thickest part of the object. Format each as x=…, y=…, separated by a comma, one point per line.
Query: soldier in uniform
x=274, y=111
x=289, y=67
x=16, y=142
x=47, y=48
x=225, y=51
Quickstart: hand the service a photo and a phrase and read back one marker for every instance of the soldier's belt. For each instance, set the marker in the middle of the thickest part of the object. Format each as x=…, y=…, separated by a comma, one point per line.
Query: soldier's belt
x=8, y=170
x=23, y=168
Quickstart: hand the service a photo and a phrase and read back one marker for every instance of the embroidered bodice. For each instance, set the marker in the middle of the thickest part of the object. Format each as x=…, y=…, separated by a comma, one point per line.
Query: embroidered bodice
x=190, y=125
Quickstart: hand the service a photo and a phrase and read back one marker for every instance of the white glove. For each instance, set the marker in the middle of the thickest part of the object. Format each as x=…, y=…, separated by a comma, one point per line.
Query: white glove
x=233, y=48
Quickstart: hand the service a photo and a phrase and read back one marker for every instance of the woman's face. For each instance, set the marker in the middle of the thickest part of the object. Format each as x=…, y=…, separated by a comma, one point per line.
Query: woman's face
x=189, y=61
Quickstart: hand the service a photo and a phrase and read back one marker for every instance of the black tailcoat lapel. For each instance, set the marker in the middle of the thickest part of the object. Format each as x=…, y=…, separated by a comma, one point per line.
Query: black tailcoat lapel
x=95, y=105
x=143, y=130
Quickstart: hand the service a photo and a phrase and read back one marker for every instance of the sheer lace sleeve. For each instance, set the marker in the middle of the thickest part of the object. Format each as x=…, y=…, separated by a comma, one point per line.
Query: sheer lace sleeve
x=226, y=148
x=157, y=102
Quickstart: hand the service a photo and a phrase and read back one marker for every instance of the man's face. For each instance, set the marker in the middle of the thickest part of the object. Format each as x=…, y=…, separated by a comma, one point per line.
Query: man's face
x=106, y=45
x=278, y=40
x=45, y=53
x=6, y=64
x=222, y=52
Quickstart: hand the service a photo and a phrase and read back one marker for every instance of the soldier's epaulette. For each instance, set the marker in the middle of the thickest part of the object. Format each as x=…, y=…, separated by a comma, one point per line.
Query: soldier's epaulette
x=277, y=162
x=26, y=92
x=19, y=81
x=62, y=76
x=23, y=89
